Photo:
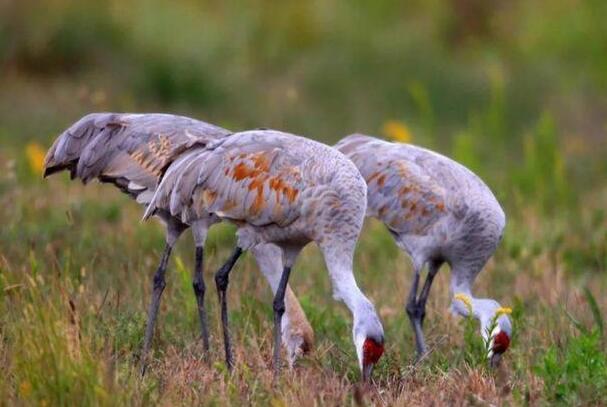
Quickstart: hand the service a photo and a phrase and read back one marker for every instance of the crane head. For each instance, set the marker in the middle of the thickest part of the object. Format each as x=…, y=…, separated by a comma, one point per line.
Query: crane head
x=369, y=341
x=372, y=351
x=368, y=335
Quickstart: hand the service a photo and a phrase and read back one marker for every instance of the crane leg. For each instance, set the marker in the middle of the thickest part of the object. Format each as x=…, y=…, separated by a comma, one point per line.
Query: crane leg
x=278, y=306
x=158, y=287
x=433, y=267
x=414, y=312
x=416, y=305
x=221, y=281
x=199, y=290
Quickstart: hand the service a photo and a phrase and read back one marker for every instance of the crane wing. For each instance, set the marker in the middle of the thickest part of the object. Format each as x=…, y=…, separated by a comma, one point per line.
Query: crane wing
x=129, y=150
x=253, y=176
x=400, y=192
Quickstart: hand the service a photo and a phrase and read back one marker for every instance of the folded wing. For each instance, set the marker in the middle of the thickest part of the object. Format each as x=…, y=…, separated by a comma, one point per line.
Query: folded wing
x=400, y=192
x=132, y=151
x=253, y=176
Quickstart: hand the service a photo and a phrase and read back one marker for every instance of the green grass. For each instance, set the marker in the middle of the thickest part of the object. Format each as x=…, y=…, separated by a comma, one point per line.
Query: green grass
x=577, y=372
x=74, y=288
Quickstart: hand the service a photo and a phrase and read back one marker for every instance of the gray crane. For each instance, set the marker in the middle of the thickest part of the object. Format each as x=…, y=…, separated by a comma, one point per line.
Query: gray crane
x=438, y=212
x=132, y=152
x=286, y=190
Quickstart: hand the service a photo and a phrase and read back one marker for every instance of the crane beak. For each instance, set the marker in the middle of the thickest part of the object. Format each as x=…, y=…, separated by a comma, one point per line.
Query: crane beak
x=499, y=344
x=494, y=359
x=367, y=370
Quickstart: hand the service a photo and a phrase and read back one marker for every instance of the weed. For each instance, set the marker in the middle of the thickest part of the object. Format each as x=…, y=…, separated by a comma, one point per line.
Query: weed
x=577, y=372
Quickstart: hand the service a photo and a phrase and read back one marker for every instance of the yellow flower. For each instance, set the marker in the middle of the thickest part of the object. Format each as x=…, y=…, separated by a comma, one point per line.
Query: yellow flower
x=25, y=389
x=275, y=402
x=465, y=299
x=35, y=156
x=397, y=131
x=503, y=311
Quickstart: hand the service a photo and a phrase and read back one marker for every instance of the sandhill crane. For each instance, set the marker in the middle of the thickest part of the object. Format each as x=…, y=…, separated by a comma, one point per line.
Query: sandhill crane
x=287, y=190
x=132, y=151
x=438, y=211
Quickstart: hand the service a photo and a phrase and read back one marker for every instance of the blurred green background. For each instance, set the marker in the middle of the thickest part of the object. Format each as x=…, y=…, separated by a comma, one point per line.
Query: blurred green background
x=516, y=90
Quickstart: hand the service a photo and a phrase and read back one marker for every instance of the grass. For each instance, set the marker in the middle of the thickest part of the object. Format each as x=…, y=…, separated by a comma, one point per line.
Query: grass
x=75, y=280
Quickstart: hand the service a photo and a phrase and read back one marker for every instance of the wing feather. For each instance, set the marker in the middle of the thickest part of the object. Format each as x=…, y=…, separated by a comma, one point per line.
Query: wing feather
x=132, y=147
x=400, y=192
x=250, y=176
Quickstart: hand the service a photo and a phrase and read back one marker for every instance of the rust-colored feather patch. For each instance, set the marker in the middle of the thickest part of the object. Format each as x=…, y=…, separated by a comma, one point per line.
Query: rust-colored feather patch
x=381, y=180
x=208, y=197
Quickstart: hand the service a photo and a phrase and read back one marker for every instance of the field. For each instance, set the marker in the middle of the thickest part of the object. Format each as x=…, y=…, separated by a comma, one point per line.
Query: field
x=515, y=91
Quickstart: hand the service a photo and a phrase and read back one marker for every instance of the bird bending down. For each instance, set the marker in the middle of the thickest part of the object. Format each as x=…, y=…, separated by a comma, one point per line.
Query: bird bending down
x=438, y=211
x=284, y=190
x=133, y=151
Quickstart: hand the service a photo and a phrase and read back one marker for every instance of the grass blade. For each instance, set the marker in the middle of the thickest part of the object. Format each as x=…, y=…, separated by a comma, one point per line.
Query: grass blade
x=576, y=323
x=594, y=307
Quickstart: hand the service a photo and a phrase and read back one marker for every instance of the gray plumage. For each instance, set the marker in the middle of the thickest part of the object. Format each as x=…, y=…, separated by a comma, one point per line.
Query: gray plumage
x=273, y=181
x=437, y=210
x=281, y=189
x=131, y=151
x=432, y=205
